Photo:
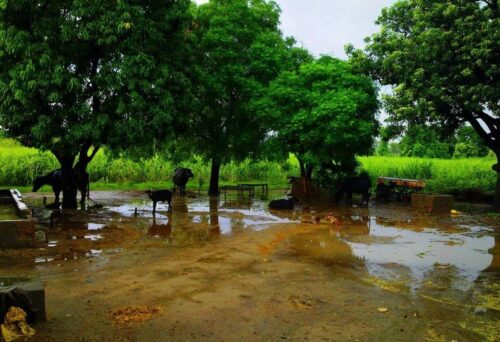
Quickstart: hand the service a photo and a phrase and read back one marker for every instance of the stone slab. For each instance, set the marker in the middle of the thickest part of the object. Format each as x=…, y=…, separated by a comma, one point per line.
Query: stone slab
x=433, y=204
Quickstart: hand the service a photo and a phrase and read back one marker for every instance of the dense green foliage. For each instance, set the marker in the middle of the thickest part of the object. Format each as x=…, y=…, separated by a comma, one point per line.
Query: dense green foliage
x=443, y=58
x=322, y=112
x=76, y=74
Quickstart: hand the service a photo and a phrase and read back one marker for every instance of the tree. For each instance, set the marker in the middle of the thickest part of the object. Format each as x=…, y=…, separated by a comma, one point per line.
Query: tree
x=322, y=112
x=443, y=58
x=240, y=50
x=76, y=75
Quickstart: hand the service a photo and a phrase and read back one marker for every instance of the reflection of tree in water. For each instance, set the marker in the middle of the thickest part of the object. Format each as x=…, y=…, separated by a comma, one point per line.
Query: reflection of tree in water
x=179, y=205
x=214, y=216
x=161, y=228
x=241, y=202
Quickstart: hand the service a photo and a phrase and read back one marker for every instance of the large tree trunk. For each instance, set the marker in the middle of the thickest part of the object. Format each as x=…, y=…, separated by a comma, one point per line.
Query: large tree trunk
x=75, y=177
x=69, y=183
x=489, y=131
x=82, y=177
x=214, y=178
x=309, y=171
x=302, y=167
x=496, y=202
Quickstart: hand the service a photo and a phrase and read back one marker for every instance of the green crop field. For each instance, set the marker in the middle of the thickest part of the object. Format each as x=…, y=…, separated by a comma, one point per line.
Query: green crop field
x=441, y=175
x=19, y=165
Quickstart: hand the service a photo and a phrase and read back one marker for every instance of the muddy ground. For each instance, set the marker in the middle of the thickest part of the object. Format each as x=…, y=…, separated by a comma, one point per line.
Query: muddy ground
x=226, y=270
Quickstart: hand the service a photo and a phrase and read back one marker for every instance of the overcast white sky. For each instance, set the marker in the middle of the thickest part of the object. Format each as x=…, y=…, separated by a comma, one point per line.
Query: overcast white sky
x=326, y=26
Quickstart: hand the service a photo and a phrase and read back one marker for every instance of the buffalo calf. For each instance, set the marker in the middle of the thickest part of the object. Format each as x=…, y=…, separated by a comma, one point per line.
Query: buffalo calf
x=160, y=196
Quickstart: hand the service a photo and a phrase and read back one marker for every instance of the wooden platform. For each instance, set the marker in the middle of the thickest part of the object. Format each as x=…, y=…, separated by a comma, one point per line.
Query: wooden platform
x=400, y=189
x=238, y=188
x=402, y=182
x=263, y=186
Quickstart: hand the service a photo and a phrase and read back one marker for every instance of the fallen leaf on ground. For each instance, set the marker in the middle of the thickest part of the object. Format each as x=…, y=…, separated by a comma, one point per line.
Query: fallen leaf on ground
x=382, y=310
x=135, y=314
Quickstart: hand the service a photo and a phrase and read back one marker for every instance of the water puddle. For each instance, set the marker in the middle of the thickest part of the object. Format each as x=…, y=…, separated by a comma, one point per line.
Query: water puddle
x=414, y=248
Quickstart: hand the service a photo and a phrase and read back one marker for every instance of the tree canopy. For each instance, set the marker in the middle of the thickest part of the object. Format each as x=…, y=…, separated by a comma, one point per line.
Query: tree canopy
x=323, y=112
x=76, y=74
x=240, y=49
x=443, y=59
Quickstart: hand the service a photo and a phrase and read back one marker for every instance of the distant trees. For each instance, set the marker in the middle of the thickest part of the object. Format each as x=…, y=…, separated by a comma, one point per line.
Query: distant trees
x=443, y=59
x=427, y=142
x=469, y=144
x=323, y=112
x=76, y=75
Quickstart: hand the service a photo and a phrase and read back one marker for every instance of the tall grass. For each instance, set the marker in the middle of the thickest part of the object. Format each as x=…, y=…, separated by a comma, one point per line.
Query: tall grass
x=19, y=165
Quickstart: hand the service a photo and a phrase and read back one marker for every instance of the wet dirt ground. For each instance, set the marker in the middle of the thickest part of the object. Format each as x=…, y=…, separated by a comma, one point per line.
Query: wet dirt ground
x=225, y=270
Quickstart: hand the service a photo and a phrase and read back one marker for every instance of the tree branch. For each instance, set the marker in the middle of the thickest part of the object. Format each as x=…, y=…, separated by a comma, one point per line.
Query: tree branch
x=487, y=138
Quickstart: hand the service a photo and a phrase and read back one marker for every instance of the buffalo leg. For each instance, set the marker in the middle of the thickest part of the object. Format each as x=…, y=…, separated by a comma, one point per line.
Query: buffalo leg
x=56, y=193
x=348, y=198
x=83, y=192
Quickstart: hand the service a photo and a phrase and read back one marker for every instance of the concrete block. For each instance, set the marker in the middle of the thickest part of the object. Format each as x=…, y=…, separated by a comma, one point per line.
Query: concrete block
x=18, y=231
x=34, y=289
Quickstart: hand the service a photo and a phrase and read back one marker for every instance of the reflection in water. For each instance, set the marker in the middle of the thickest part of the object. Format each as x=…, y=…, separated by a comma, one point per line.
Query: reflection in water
x=160, y=228
x=215, y=229
x=387, y=251
x=420, y=250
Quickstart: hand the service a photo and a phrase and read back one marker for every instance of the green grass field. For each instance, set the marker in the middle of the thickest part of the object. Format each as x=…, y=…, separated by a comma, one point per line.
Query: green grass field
x=19, y=165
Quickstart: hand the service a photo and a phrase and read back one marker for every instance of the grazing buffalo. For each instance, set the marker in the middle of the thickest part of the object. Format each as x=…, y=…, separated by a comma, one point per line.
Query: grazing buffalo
x=283, y=204
x=180, y=179
x=57, y=179
x=354, y=185
x=160, y=196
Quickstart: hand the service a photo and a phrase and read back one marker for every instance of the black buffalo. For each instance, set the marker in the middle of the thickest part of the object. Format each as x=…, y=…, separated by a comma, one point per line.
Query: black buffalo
x=283, y=204
x=354, y=185
x=180, y=179
x=58, y=179
x=160, y=196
